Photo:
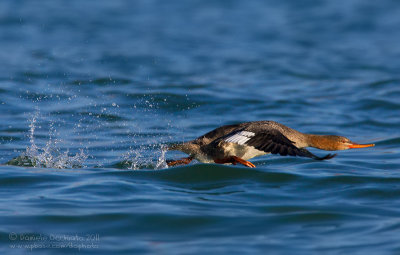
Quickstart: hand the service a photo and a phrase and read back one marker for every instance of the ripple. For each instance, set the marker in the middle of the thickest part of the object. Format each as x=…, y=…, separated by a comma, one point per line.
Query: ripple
x=371, y=104
x=104, y=81
x=389, y=141
x=384, y=83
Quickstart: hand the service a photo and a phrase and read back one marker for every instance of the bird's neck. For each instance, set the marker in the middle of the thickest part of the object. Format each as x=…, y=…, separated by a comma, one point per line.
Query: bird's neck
x=322, y=142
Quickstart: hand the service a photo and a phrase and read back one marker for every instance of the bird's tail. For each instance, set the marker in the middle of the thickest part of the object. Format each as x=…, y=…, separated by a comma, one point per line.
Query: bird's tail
x=175, y=146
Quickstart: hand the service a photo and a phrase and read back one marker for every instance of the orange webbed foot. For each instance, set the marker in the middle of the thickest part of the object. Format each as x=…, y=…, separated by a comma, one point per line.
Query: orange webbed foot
x=234, y=160
x=243, y=162
x=179, y=162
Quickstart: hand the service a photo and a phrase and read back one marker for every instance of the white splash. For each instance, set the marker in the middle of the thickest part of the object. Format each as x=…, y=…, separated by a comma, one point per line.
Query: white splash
x=49, y=156
x=161, y=162
x=139, y=158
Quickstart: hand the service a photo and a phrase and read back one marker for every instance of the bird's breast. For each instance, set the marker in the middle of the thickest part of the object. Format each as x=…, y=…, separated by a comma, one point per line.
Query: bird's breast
x=242, y=151
x=203, y=158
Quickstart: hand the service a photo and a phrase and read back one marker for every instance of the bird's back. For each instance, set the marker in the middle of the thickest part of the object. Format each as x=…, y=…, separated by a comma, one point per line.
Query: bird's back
x=215, y=134
x=253, y=126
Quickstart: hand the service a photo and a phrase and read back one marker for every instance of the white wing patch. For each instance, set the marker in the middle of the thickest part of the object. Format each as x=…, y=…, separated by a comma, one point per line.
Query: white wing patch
x=240, y=138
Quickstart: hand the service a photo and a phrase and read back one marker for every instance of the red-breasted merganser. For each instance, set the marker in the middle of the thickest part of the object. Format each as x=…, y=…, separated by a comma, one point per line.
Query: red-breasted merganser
x=237, y=143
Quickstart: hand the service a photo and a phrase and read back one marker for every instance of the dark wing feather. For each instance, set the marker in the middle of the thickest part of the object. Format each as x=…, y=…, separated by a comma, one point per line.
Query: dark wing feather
x=216, y=134
x=310, y=155
x=275, y=142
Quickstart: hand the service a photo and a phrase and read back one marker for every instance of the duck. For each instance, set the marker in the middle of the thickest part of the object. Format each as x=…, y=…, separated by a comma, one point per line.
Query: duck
x=237, y=143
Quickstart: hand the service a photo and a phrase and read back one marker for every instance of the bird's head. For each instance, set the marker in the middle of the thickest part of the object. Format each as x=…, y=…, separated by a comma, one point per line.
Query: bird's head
x=335, y=142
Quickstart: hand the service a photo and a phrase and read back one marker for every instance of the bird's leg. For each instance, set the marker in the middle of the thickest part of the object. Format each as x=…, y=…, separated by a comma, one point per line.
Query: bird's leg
x=234, y=160
x=182, y=161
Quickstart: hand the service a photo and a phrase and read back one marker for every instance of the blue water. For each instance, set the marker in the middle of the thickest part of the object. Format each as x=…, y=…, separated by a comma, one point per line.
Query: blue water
x=90, y=91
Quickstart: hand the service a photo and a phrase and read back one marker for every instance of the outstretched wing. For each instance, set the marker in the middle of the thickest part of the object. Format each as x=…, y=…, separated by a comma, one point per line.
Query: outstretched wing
x=270, y=141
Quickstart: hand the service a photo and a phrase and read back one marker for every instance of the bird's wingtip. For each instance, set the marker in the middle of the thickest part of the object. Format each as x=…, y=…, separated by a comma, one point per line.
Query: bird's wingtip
x=328, y=156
